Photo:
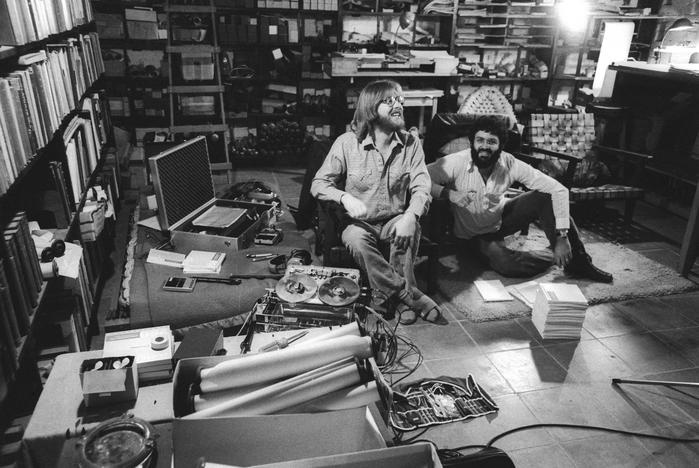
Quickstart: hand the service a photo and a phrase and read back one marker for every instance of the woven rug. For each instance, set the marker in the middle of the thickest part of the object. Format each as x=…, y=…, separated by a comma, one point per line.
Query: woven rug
x=634, y=276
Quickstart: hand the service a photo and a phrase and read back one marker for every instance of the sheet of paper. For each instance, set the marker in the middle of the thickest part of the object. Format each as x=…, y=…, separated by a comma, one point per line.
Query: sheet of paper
x=151, y=222
x=492, y=290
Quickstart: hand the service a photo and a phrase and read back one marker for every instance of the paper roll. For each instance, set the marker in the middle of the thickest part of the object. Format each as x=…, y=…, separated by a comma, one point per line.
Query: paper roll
x=265, y=367
x=268, y=400
x=207, y=400
x=351, y=329
x=351, y=397
x=49, y=269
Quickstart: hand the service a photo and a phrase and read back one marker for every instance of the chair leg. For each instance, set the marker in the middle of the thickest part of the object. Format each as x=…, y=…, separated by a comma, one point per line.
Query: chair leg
x=629, y=207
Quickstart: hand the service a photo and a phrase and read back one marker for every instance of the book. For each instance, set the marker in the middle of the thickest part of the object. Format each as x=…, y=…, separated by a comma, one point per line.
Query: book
x=7, y=308
x=164, y=257
x=200, y=261
x=19, y=300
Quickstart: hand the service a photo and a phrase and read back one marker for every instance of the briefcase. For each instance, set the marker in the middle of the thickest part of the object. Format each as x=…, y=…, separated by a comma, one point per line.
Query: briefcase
x=184, y=191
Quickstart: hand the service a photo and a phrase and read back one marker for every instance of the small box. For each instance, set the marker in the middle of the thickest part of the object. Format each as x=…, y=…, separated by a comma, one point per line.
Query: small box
x=184, y=189
x=109, y=380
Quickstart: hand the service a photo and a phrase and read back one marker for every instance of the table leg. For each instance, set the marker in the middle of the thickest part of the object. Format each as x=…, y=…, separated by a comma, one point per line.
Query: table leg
x=690, y=242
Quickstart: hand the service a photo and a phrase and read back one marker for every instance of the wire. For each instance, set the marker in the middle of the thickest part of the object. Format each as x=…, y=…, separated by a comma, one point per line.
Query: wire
x=577, y=426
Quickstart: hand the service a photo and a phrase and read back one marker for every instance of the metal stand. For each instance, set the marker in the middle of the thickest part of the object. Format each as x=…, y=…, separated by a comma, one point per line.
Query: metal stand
x=655, y=382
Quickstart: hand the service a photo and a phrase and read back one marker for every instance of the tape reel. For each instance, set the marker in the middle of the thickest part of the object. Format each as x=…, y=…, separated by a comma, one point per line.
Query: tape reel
x=338, y=291
x=160, y=342
x=296, y=288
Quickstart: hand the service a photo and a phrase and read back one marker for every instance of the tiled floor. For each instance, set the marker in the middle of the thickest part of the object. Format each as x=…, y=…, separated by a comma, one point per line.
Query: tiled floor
x=570, y=382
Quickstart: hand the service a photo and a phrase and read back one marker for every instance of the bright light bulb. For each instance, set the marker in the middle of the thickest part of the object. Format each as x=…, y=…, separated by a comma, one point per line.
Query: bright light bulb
x=573, y=14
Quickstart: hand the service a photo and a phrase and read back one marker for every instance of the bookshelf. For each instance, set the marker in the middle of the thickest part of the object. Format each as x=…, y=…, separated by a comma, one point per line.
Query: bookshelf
x=55, y=133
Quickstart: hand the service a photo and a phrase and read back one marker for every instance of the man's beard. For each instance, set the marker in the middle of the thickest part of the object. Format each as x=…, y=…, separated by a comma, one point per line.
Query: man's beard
x=390, y=124
x=485, y=158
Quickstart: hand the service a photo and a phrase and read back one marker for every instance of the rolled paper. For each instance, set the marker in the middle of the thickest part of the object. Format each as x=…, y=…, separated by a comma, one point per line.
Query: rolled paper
x=351, y=329
x=268, y=400
x=49, y=269
x=351, y=397
x=207, y=400
x=278, y=387
x=273, y=365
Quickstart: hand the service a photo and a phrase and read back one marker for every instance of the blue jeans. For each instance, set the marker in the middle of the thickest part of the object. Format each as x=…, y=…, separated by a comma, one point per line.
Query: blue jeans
x=518, y=213
x=368, y=244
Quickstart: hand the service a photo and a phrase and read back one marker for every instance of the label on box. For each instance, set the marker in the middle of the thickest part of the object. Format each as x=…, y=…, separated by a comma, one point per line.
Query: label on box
x=273, y=28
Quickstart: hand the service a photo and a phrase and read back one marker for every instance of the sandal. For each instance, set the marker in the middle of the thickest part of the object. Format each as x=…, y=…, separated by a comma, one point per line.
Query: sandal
x=406, y=315
x=423, y=304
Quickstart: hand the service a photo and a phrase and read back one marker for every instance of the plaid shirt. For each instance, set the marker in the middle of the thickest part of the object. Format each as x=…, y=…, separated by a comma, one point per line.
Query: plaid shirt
x=483, y=214
x=383, y=185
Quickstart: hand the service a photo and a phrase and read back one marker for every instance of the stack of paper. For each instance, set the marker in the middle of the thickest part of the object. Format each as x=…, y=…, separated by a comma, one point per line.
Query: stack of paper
x=151, y=347
x=559, y=310
x=492, y=290
x=164, y=257
x=200, y=261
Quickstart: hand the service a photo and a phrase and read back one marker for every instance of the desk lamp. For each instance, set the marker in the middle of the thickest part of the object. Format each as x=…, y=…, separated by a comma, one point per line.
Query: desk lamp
x=405, y=21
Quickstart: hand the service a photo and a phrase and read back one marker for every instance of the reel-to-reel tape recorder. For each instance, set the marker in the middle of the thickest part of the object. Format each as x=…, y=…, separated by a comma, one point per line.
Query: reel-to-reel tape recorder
x=310, y=296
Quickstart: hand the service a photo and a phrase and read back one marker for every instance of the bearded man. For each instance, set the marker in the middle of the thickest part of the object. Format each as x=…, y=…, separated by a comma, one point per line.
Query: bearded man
x=475, y=181
x=377, y=173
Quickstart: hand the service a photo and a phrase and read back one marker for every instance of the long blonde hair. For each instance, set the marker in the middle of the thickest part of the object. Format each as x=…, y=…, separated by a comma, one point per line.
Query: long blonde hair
x=368, y=104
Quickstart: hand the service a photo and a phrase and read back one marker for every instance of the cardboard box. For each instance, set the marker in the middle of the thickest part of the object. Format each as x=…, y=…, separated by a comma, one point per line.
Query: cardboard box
x=256, y=440
x=420, y=455
x=107, y=385
x=184, y=189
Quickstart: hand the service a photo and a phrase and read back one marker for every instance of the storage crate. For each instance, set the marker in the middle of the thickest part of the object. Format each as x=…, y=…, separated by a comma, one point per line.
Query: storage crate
x=197, y=67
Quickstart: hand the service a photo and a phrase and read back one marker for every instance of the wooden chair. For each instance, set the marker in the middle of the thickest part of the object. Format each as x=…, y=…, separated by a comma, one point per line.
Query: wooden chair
x=625, y=167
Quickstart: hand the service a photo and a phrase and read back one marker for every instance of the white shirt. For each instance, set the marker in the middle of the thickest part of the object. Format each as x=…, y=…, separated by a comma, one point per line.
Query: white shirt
x=483, y=214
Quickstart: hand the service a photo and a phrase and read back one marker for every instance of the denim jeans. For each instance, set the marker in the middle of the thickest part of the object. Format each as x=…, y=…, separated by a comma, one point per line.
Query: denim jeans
x=368, y=244
x=518, y=213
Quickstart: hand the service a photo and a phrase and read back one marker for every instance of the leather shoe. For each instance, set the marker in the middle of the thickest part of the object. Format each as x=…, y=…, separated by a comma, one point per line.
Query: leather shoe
x=581, y=266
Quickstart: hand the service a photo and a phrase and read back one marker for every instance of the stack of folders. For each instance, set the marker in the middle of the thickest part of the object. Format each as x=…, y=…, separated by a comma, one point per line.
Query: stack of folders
x=203, y=262
x=559, y=311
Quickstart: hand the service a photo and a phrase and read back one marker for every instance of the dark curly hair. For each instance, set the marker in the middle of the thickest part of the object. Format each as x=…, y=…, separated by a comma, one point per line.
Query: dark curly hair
x=492, y=124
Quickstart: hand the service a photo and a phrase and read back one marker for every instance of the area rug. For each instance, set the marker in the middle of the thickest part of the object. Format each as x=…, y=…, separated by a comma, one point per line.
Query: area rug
x=634, y=276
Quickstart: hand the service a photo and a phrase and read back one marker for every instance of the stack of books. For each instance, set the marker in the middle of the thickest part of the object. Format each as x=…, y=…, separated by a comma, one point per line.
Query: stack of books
x=152, y=349
x=203, y=262
x=559, y=311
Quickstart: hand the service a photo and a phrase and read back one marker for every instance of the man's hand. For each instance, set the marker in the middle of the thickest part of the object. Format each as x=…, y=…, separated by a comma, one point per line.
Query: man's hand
x=355, y=207
x=562, y=252
x=461, y=199
x=403, y=231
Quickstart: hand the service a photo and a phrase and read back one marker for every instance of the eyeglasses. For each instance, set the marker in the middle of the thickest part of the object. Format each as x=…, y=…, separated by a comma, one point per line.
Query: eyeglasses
x=391, y=100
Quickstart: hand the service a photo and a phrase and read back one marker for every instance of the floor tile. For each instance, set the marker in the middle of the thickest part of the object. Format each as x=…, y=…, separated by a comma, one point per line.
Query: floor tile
x=528, y=369
x=686, y=304
x=609, y=451
x=480, y=367
x=499, y=335
x=588, y=361
x=440, y=341
x=654, y=314
x=567, y=404
x=645, y=353
x=685, y=398
x=674, y=454
x=550, y=456
x=604, y=320
x=637, y=407
x=512, y=413
x=684, y=340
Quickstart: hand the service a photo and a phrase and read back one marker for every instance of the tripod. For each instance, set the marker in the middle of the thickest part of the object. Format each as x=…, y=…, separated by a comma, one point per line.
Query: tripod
x=655, y=382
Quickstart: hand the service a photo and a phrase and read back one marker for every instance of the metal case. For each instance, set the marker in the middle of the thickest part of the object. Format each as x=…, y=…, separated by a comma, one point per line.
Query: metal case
x=184, y=189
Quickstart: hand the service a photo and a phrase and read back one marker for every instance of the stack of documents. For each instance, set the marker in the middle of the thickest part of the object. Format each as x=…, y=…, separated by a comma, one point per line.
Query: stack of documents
x=559, y=310
x=164, y=257
x=200, y=261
